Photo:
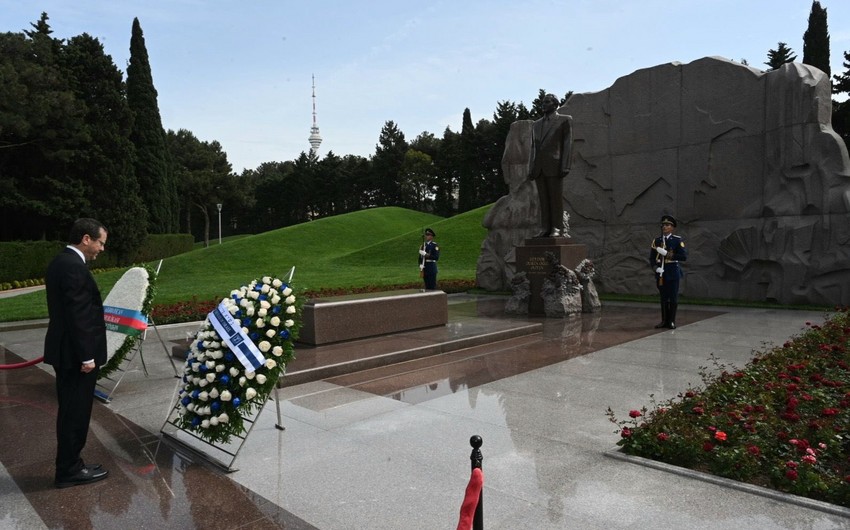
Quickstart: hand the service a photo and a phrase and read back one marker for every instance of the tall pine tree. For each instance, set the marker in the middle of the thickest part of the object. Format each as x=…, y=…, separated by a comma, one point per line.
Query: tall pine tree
x=816, y=39
x=158, y=187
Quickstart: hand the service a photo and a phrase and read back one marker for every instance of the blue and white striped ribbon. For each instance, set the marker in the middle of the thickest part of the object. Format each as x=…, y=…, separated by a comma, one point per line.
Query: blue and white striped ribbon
x=239, y=343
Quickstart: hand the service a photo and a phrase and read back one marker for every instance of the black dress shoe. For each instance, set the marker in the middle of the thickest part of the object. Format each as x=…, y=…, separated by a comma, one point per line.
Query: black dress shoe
x=95, y=467
x=87, y=475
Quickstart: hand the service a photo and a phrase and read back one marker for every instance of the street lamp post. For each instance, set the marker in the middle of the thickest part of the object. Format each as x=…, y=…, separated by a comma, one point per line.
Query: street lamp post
x=219, y=222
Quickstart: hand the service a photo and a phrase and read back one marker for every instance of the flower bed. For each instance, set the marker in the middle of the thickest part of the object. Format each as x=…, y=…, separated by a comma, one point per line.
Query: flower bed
x=782, y=422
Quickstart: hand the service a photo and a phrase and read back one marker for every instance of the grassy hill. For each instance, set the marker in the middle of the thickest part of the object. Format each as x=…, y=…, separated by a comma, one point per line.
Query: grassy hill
x=370, y=247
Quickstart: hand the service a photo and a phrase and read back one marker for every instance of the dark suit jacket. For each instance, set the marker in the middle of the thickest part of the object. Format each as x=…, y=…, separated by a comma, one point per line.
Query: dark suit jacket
x=551, y=146
x=76, y=332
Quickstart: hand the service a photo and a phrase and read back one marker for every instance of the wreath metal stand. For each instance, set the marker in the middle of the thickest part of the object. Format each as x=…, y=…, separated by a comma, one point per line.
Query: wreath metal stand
x=223, y=455
x=103, y=391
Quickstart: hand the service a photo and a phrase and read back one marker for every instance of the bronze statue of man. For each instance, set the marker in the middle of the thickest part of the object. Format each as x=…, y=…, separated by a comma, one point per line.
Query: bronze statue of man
x=551, y=149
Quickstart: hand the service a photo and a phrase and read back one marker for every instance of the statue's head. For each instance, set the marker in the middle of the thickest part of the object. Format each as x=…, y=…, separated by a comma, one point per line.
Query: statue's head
x=550, y=103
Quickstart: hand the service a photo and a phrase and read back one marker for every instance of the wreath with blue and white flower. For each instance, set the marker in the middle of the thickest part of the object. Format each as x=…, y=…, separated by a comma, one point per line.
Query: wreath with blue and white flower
x=236, y=358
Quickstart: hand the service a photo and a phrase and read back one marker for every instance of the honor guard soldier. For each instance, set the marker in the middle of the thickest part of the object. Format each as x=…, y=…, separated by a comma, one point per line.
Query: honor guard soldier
x=429, y=253
x=666, y=253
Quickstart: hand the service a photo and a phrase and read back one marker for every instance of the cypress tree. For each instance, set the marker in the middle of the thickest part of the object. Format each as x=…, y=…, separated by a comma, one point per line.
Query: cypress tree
x=816, y=39
x=467, y=196
x=157, y=187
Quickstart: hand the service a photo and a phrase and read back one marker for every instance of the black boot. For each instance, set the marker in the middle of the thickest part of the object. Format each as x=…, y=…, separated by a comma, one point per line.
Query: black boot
x=663, y=323
x=671, y=315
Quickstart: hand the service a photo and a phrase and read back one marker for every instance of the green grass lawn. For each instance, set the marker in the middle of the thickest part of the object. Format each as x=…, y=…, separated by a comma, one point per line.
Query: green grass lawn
x=370, y=247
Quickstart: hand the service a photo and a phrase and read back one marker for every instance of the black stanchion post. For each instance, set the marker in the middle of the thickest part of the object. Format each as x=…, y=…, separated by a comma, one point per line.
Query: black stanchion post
x=477, y=462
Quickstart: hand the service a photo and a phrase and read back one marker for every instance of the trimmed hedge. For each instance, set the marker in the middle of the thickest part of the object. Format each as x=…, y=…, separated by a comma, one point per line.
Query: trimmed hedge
x=26, y=260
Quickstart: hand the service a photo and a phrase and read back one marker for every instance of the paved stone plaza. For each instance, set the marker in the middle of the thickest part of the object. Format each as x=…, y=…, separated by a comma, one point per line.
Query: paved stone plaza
x=389, y=448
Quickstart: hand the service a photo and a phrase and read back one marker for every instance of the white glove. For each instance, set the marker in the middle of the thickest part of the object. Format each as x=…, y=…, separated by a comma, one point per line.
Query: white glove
x=423, y=253
x=660, y=270
x=662, y=251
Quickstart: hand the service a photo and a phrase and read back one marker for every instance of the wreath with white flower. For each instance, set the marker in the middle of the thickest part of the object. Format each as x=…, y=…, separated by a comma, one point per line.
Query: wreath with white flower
x=127, y=311
x=220, y=385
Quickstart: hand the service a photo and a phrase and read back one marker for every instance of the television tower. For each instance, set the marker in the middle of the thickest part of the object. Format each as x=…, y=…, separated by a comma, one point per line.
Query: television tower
x=314, y=139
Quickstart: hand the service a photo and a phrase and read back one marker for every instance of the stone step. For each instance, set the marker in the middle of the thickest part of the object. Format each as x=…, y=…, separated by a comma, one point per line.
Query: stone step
x=314, y=364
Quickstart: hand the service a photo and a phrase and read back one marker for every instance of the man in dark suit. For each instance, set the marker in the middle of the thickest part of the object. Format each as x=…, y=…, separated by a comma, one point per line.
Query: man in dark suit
x=551, y=150
x=75, y=345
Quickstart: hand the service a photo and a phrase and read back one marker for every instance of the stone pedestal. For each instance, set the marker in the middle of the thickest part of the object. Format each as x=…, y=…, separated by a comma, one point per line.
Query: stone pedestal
x=531, y=259
x=341, y=318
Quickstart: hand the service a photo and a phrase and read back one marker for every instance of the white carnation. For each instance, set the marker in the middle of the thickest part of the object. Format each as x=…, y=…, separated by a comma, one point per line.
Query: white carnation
x=270, y=333
x=210, y=377
x=275, y=299
x=250, y=393
x=214, y=393
x=277, y=351
x=205, y=424
x=262, y=312
x=265, y=346
x=249, y=311
x=234, y=371
x=233, y=309
x=260, y=323
x=261, y=379
x=270, y=364
x=267, y=280
x=287, y=291
x=223, y=418
x=264, y=289
x=242, y=381
x=226, y=396
x=289, y=323
x=290, y=310
x=277, y=283
x=214, y=421
x=203, y=396
x=250, y=375
x=275, y=321
x=290, y=299
x=202, y=383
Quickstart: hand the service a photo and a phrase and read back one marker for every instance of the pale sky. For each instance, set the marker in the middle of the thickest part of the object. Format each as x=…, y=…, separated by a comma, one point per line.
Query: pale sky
x=240, y=72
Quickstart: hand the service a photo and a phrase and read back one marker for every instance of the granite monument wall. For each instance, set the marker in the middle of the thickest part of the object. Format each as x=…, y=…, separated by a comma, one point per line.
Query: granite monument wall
x=746, y=160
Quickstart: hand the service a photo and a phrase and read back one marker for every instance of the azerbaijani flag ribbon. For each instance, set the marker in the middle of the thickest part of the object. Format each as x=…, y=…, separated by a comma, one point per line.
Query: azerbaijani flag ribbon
x=126, y=321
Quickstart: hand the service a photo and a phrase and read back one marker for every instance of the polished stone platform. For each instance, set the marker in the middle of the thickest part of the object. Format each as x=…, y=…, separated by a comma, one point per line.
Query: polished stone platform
x=387, y=447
